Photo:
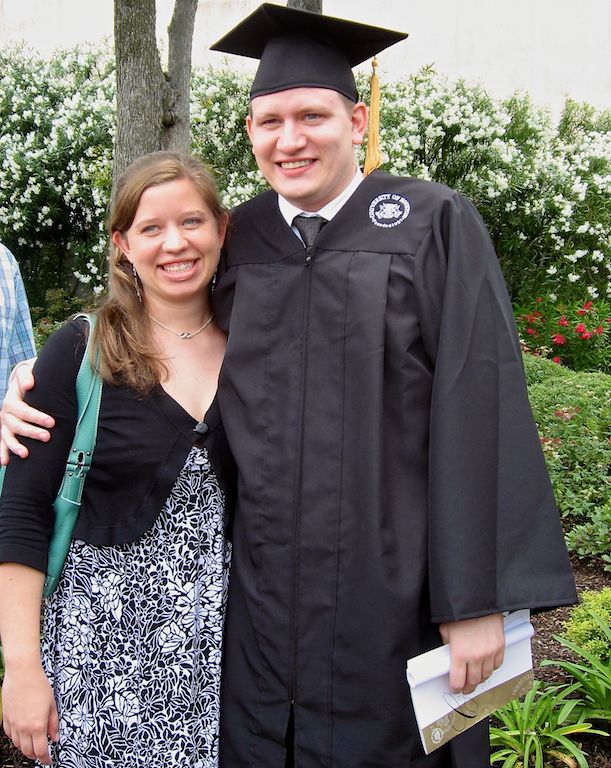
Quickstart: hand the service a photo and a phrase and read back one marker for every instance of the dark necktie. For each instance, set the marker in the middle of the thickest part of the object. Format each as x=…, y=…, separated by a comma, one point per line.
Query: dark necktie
x=308, y=227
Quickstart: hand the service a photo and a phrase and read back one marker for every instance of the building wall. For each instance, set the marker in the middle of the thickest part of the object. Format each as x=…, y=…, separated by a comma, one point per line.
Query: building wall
x=550, y=48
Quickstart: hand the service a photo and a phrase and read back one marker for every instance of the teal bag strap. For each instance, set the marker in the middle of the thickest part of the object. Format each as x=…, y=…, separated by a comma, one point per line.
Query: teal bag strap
x=68, y=501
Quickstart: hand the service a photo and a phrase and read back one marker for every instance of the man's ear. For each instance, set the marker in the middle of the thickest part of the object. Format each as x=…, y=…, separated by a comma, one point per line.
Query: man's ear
x=359, y=122
x=222, y=227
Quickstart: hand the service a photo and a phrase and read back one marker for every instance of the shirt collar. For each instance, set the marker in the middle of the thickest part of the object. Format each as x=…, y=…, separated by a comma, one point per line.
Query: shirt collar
x=328, y=211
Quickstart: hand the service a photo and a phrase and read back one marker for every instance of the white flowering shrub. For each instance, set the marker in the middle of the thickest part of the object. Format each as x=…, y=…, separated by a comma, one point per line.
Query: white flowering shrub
x=56, y=134
x=219, y=104
x=543, y=190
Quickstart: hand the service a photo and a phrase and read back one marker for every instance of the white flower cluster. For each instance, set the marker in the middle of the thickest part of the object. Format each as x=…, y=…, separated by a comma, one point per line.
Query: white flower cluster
x=56, y=133
x=543, y=190
x=219, y=103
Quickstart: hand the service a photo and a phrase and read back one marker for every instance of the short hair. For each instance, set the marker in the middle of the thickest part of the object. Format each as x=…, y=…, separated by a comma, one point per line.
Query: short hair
x=349, y=104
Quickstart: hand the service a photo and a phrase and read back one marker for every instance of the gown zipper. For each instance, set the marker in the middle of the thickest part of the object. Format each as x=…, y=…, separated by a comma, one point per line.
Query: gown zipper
x=299, y=481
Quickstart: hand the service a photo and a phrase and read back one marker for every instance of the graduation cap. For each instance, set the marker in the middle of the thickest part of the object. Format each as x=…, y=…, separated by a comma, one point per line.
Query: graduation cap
x=299, y=49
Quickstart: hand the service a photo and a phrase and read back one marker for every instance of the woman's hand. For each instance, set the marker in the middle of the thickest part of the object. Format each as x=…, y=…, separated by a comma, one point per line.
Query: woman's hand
x=29, y=712
x=18, y=418
x=28, y=706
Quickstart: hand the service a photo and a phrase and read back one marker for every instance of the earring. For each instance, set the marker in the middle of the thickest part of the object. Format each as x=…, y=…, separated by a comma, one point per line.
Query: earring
x=136, y=285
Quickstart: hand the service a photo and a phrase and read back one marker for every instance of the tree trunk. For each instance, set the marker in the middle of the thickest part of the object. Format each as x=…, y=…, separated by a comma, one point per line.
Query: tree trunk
x=306, y=5
x=140, y=82
x=177, y=134
x=152, y=108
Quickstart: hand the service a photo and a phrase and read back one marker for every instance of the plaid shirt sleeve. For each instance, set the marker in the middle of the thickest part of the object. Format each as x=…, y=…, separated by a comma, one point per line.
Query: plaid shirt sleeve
x=16, y=336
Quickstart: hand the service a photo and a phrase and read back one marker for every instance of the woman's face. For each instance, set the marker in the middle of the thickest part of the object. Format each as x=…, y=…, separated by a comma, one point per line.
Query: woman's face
x=174, y=242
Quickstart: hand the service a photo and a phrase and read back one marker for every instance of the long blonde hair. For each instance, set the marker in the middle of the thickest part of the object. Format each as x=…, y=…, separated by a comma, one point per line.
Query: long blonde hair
x=122, y=333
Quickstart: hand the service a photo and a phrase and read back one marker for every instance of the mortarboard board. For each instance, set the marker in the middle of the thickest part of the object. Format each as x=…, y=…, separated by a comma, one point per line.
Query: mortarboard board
x=304, y=49
x=299, y=49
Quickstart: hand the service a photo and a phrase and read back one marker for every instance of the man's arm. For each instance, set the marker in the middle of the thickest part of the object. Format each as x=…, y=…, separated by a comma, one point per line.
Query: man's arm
x=21, y=346
x=477, y=648
x=18, y=418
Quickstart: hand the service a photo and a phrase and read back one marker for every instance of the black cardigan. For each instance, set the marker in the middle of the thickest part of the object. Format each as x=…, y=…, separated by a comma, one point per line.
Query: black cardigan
x=141, y=446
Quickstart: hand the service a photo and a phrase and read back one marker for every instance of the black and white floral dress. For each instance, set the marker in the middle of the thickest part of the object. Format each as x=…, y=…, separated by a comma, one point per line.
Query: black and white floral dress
x=132, y=637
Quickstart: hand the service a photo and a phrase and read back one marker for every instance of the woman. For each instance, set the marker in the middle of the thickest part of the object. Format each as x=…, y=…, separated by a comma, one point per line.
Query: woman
x=131, y=646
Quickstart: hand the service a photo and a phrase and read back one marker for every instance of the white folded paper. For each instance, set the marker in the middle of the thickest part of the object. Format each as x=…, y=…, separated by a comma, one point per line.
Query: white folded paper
x=441, y=714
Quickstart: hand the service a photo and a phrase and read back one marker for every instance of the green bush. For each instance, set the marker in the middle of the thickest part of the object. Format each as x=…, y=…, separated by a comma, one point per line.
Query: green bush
x=591, y=674
x=58, y=306
x=592, y=538
x=583, y=630
x=576, y=335
x=573, y=414
x=540, y=369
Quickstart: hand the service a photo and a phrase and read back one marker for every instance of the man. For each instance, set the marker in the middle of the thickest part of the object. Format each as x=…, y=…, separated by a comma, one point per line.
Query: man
x=16, y=337
x=391, y=479
x=392, y=490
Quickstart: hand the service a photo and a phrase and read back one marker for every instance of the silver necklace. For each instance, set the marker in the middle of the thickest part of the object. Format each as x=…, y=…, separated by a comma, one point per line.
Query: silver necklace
x=183, y=334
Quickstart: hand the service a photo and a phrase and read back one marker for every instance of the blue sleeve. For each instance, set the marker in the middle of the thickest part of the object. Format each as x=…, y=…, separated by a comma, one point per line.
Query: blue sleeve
x=21, y=346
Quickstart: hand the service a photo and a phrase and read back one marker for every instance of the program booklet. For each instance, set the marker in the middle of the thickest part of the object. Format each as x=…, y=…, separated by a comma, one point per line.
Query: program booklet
x=441, y=714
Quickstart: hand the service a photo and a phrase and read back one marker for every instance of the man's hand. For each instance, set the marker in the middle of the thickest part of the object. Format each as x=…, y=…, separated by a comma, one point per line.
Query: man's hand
x=21, y=419
x=477, y=647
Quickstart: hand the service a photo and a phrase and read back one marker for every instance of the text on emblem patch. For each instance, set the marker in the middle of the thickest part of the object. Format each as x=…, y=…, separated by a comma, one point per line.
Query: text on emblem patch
x=389, y=210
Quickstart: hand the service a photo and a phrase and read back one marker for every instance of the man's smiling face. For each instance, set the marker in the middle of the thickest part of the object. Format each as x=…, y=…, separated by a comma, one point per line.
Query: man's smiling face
x=303, y=140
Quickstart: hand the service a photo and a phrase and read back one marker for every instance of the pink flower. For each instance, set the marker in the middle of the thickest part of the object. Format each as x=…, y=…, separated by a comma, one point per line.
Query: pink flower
x=556, y=360
x=599, y=330
x=535, y=317
x=530, y=331
x=580, y=328
x=559, y=339
x=563, y=320
x=586, y=335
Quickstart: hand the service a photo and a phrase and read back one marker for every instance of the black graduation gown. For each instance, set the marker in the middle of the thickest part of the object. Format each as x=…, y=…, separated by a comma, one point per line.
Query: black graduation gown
x=390, y=472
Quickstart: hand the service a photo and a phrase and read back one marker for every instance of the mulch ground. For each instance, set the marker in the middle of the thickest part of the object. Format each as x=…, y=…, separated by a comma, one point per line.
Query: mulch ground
x=548, y=624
